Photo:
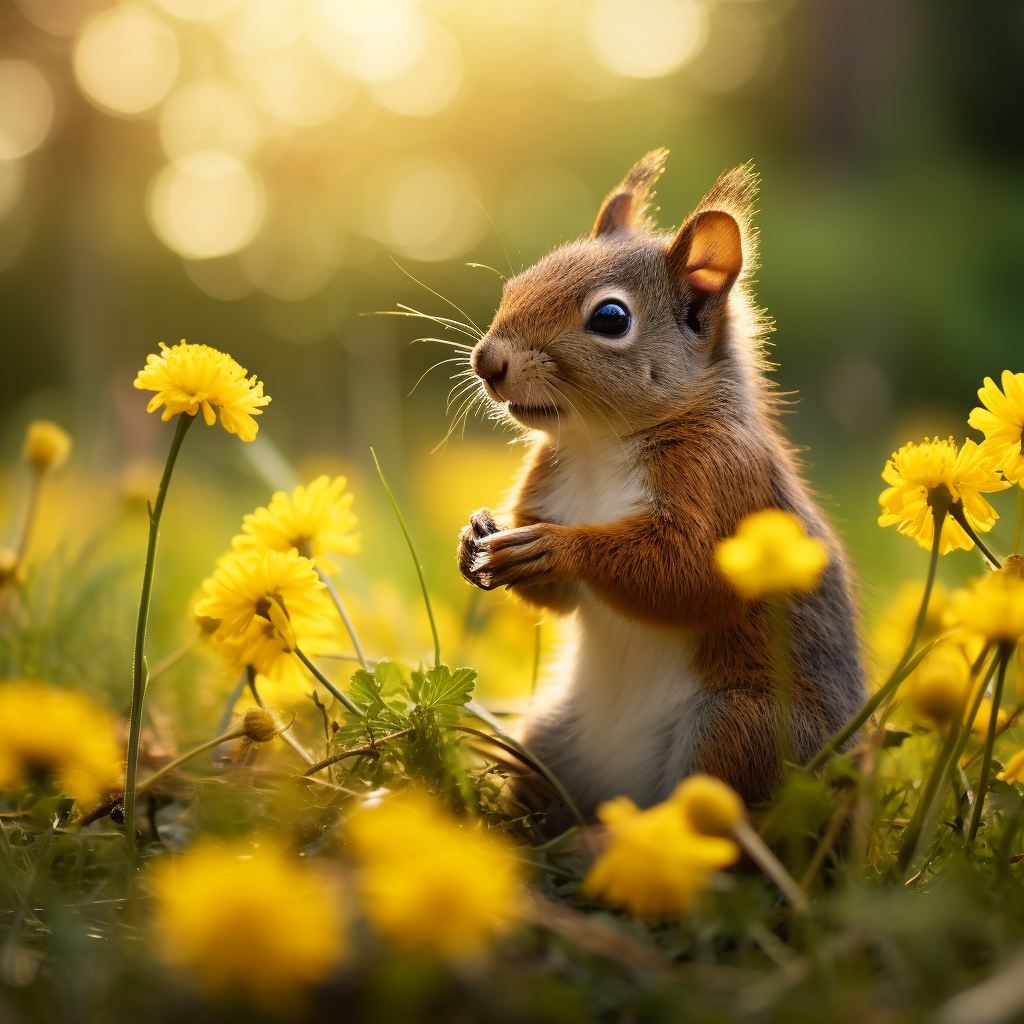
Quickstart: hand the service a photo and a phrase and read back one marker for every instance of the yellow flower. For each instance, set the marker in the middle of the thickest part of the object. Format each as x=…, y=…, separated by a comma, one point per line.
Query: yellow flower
x=940, y=687
x=11, y=569
x=189, y=377
x=654, y=863
x=46, y=446
x=921, y=474
x=45, y=731
x=429, y=881
x=1014, y=771
x=992, y=607
x=312, y=520
x=245, y=918
x=709, y=806
x=983, y=718
x=772, y=554
x=895, y=627
x=1001, y=421
x=266, y=604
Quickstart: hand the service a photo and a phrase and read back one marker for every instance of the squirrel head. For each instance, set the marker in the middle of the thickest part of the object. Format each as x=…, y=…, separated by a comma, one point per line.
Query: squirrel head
x=620, y=329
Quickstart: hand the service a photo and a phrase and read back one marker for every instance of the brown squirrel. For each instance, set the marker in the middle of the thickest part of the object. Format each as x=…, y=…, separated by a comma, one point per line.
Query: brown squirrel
x=636, y=358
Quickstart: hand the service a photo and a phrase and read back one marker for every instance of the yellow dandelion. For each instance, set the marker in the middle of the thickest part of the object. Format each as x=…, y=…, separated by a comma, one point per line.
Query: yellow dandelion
x=312, y=520
x=1014, y=770
x=265, y=604
x=187, y=378
x=922, y=475
x=940, y=688
x=654, y=863
x=59, y=735
x=1002, y=422
x=709, y=806
x=429, y=881
x=991, y=607
x=983, y=718
x=895, y=627
x=47, y=446
x=771, y=553
x=246, y=918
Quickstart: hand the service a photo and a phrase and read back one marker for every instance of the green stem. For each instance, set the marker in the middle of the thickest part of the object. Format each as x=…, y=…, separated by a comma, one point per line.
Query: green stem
x=341, y=696
x=148, y=783
x=957, y=512
x=903, y=667
x=139, y=672
x=922, y=823
x=1018, y=528
x=286, y=732
x=416, y=561
x=1005, y=650
x=343, y=612
x=30, y=514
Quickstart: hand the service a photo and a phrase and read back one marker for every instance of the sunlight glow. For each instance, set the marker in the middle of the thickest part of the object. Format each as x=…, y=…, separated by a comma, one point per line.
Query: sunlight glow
x=126, y=60
x=431, y=83
x=208, y=115
x=12, y=185
x=26, y=108
x=645, y=38
x=208, y=204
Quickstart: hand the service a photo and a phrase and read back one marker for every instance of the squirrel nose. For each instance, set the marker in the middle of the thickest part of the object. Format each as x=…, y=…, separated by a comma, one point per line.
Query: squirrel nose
x=490, y=362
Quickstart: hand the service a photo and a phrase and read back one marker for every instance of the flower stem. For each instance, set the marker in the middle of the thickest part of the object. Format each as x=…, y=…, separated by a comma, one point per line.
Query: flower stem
x=342, y=697
x=1005, y=650
x=758, y=851
x=285, y=733
x=903, y=667
x=416, y=561
x=1018, y=528
x=957, y=512
x=922, y=824
x=343, y=612
x=226, y=737
x=30, y=514
x=139, y=670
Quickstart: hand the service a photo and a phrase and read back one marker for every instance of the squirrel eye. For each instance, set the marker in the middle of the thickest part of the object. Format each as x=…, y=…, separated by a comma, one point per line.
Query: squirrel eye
x=611, y=319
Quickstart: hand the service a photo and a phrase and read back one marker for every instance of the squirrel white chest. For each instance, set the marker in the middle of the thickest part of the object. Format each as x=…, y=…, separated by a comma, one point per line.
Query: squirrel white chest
x=594, y=483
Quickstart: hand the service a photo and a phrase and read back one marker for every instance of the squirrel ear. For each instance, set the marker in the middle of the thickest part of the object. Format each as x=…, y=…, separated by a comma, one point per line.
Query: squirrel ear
x=626, y=206
x=708, y=252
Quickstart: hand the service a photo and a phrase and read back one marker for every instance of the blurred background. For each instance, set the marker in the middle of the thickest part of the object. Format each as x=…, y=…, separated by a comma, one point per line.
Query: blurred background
x=259, y=174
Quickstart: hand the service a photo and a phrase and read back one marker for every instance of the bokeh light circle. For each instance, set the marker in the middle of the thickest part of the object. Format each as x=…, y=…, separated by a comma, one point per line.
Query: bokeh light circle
x=126, y=60
x=208, y=204
x=197, y=10
x=431, y=83
x=645, y=38
x=26, y=108
x=208, y=115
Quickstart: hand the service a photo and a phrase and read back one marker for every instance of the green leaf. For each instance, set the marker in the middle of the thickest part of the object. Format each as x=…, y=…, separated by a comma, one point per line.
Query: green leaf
x=894, y=737
x=446, y=692
x=365, y=693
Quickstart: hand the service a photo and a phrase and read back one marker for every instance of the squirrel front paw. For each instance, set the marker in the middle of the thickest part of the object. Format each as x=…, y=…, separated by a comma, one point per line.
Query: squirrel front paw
x=481, y=525
x=527, y=554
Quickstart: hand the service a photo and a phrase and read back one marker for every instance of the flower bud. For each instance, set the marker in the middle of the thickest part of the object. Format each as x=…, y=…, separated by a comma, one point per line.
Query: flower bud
x=259, y=725
x=11, y=570
x=939, y=688
x=709, y=806
x=46, y=446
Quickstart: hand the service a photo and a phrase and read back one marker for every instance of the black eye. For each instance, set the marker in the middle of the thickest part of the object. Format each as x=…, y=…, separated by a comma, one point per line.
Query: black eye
x=611, y=319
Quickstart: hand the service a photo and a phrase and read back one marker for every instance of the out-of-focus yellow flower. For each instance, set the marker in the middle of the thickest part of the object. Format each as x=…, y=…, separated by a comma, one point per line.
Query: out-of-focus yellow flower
x=895, y=627
x=771, y=553
x=312, y=520
x=48, y=732
x=266, y=604
x=1014, y=771
x=11, y=569
x=919, y=474
x=187, y=378
x=47, y=446
x=429, y=881
x=140, y=480
x=1002, y=421
x=983, y=718
x=654, y=863
x=991, y=607
x=246, y=919
x=940, y=687
x=709, y=806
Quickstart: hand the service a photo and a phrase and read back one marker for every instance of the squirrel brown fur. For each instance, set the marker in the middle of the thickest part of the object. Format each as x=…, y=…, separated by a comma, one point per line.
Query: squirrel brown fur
x=648, y=448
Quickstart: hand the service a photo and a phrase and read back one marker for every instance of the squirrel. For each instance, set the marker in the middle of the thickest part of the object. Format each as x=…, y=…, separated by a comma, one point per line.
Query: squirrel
x=635, y=359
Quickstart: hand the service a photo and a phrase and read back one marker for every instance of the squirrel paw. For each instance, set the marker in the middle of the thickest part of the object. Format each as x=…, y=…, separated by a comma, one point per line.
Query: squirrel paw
x=526, y=554
x=481, y=525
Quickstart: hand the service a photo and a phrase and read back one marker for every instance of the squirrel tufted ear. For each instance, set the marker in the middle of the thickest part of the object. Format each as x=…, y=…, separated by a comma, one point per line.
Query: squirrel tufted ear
x=626, y=206
x=716, y=241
